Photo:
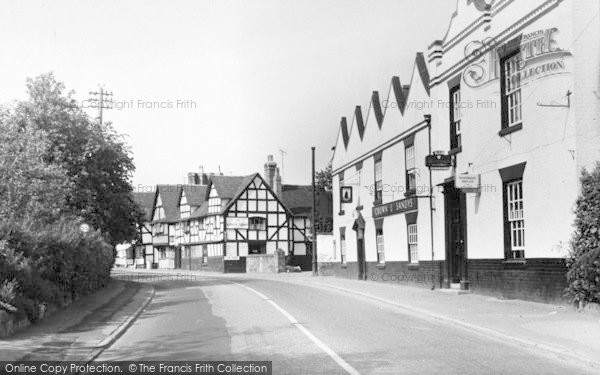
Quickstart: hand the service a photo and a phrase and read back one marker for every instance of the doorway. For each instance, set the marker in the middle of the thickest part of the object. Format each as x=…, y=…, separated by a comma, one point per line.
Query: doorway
x=360, y=254
x=456, y=244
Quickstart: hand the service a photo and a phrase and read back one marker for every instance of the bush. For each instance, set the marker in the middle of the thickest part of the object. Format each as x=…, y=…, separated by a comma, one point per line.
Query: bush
x=584, y=263
x=54, y=264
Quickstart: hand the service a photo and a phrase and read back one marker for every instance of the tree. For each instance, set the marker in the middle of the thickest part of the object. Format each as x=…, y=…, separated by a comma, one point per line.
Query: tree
x=584, y=264
x=323, y=179
x=95, y=158
x=32, y=191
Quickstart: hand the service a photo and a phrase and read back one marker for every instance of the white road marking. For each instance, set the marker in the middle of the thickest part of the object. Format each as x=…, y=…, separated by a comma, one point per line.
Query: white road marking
x=339, y=360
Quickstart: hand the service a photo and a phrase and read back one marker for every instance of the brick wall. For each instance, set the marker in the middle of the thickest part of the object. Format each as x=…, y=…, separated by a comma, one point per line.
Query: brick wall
x=542, y=279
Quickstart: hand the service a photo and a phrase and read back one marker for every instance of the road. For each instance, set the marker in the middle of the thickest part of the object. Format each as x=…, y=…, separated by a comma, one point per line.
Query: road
x=305, y=329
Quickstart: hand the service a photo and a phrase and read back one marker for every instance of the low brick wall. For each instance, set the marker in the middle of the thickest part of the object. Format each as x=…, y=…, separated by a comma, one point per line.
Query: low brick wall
x=424, y=274
x=537, y=279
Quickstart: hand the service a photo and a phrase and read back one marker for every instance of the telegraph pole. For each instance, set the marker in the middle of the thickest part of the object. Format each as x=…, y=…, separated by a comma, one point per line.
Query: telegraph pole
x=102, y=99
x=315, y=271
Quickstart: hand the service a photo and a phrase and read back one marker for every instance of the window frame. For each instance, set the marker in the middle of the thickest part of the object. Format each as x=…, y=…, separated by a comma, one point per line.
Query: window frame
x=378, y=179
x=410, y=170
x=379, y=242
x=509, y=125
x=412, y=239
x=514, y=204
x=455, y=108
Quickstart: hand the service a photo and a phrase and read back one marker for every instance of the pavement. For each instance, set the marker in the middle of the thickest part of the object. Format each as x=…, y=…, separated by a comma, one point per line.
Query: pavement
x=82, y=330
x=367, y=325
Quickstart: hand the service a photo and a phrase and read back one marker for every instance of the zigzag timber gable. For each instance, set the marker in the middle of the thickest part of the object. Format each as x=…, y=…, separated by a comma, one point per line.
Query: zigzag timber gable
x=385, y=114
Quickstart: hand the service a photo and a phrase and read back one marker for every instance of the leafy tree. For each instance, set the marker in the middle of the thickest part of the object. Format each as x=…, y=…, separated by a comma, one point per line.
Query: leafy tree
x=32, y=191
x=95, y=158
x=323, y=179
x=584, y=264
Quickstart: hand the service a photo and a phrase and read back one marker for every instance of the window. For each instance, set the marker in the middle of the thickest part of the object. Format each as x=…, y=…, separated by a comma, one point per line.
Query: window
x=379, y=242
x=341, y=178
x=516, y=224
x=194, y=228
x=204, y=254
x=257, y=223
x=411, y=171
x=186, y=227
x=455, y=117
x=343, y=245
x=413, y=250
x=378, y=180
x=511, y=89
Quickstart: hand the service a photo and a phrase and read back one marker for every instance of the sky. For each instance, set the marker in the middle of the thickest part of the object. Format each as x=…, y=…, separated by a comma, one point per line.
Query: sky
x=219, y=84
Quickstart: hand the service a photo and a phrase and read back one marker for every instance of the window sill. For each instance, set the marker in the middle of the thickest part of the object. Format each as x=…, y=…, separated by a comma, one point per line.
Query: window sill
x=455, y=150
x=510, y=129
x=381, y=266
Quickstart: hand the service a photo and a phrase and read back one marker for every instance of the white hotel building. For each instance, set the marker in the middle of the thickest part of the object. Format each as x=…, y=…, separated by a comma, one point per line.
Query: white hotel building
x=511, y=96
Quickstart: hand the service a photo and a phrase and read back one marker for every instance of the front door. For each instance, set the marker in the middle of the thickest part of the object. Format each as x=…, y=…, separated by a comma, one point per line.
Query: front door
x=455, y=233
x=360, y=255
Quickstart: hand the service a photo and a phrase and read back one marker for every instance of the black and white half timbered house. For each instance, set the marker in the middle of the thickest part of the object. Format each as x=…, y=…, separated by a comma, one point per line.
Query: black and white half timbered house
x=218, y=225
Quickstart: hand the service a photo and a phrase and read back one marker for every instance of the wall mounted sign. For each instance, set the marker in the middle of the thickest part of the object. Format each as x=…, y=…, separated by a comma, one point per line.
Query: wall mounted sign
x=467, y=182
x=396, y=207
x=540, y=55
x=438, y=161
x=237, y=223
x=346, y=194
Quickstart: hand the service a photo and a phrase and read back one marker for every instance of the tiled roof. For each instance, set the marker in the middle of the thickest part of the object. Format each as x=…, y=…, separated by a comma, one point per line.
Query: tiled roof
x=200, y=211
x=229, y=187
x=298, y=198
x=169, y=195
x=144, y=200
x=195, y=194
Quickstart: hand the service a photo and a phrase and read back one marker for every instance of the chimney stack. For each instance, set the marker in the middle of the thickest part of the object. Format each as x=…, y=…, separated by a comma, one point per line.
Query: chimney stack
x=272, y=175
x=193, y=178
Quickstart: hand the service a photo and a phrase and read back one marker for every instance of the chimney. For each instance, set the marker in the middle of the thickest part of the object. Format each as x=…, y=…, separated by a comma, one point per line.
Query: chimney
x=193, y=178
x=202, y=177
x=277, y=188
x=270, y=169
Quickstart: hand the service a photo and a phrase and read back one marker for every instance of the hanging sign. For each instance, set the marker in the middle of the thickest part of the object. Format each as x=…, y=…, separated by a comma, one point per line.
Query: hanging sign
x=346, y=194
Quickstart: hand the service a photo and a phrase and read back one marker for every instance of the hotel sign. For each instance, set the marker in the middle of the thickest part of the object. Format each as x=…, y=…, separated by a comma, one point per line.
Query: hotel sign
x=237, y=223
x=396, y=207
x=467, y=182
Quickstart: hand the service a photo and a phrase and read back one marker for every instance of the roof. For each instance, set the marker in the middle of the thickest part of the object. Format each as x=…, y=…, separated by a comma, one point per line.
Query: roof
x=229, y=187
x=195, y=194
x=145, y=200
x=298, y=198
x=169, y=195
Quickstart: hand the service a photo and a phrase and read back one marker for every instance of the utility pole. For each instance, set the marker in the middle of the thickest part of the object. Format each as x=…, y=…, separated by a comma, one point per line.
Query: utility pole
x=315, y=271
x=102, y=99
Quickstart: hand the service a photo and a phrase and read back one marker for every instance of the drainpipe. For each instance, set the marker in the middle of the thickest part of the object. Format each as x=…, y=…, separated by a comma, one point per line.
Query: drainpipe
x=428, y=120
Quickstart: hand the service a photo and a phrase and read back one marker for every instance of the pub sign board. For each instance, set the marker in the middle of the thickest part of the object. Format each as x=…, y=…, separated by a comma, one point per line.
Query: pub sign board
x=346, y=194
x=396, y=207
x=438, y=161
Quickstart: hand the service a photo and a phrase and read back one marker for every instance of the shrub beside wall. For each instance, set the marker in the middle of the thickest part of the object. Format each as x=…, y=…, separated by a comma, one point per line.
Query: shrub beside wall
x=584, y=263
